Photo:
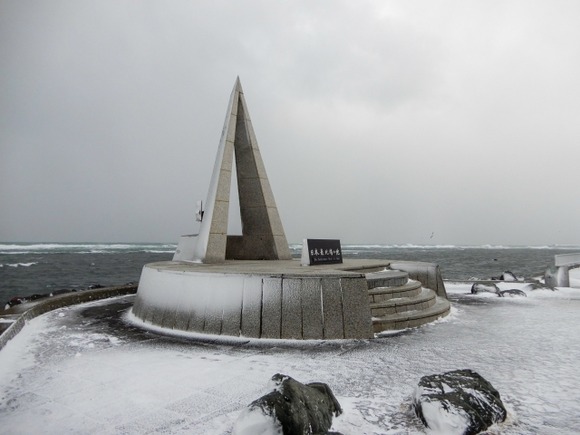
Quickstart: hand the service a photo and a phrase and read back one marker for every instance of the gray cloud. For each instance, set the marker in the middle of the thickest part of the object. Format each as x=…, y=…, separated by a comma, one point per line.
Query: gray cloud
x=378, y=123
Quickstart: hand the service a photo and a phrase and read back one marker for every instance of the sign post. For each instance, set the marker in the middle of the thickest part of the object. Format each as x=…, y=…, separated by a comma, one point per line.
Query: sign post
x=321, y=251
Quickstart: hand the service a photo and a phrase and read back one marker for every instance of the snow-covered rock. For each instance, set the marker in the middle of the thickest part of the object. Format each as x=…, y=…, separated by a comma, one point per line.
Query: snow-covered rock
x=536, y=286
x=480, y=287
x=508, y=276
x=512, y=292
x=291, y=408
x=458, y=402
x=257, y=421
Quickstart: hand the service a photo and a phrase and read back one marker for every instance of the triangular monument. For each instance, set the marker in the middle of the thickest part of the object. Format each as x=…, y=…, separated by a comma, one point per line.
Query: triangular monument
x=263, y=236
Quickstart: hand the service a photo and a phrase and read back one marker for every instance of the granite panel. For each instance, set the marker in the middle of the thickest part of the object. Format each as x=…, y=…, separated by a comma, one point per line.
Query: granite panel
x=223, y=186
x=168, y=320
x=230, y=124
x=245, y=163
x=195, y=304
x=282, y=249
x=291, y=308
x=249, y=247
x=441, y=291
x=431, y=277
x=232, y=306
x=216, y=248
x=384, y=311
x=255, y=220
x=242, y=139
x=251, y=320
x=260, y=165
x=181, y=320
x=147, y=313
x=311, y=300
x=214, y=308
x=137, y=308
x=157, y=315
x=267, y=192
x=271, y=308
x=401, y=325
x=251, y=194
x=275, y=221
x=251, y=133
x=332, y=308
x=356, y=308
x=219, y=218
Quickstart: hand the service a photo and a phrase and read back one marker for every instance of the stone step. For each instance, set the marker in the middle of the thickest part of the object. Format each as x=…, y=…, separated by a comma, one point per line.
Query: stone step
x=411, y=319
x=379, y=294
x=424, y=300
x=386, y=278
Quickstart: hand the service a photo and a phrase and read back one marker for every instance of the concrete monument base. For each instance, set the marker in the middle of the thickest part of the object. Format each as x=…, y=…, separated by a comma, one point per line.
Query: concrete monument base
x=248, y=285
x=284, y=300
x=259, y=299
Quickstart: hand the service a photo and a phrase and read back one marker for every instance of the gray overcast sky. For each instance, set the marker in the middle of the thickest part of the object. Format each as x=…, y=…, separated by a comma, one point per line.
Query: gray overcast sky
x=379, y=122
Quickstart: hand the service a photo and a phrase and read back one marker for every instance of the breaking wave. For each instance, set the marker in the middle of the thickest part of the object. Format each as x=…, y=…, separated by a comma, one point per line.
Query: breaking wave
x=83, y=248
x=19, y=264
x=297, y=246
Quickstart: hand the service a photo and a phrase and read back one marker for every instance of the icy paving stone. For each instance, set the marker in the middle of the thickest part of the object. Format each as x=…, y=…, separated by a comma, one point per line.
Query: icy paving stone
x=271, y=308
x=332, y=309
x=311, y=300
x=251, y=307
x=291, y=308
x=356, y=308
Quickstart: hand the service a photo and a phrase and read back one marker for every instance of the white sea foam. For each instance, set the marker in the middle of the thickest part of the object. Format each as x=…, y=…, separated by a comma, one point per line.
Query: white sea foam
x=83, y=248
x=19, y=264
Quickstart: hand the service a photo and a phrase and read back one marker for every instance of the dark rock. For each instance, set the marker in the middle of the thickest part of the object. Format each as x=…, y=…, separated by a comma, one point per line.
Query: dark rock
x=512, y=292
x=60, y=292
x=459, y=401
x=506, y=276
x=16, y=300
x=294, y=407
x=480, y=287
x=536, y=286
x=36, y=296
x=94, y=286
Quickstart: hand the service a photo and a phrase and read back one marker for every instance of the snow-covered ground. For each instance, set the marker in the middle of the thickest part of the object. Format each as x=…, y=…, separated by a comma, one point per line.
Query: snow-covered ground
x=79, y=370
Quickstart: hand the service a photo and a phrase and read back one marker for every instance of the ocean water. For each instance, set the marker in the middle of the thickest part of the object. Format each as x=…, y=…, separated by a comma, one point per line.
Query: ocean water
x=27, y=269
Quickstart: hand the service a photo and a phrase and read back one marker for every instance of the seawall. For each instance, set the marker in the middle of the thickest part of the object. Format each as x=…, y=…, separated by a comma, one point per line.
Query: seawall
x=20, y=314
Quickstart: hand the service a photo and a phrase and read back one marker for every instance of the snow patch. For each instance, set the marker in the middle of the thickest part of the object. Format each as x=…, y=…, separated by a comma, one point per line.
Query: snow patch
x=88, y=341
x=254, y=421
x=444, y=420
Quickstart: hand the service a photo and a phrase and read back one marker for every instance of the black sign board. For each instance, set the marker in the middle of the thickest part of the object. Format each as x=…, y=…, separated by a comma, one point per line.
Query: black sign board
x=323, y=251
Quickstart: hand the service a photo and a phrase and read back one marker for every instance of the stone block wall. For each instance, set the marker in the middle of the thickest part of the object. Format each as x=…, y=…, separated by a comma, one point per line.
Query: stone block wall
x=428, y=274
x=256, y=306
x=42, y=306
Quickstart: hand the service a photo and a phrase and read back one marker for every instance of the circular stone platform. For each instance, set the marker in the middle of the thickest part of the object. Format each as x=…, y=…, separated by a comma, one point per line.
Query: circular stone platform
x=259, y=299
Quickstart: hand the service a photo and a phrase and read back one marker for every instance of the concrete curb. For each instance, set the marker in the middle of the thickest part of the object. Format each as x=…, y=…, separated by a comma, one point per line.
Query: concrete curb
x=51, y=303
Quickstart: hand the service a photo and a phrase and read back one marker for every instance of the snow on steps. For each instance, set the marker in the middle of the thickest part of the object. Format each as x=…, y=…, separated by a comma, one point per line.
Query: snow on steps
x=398, y=302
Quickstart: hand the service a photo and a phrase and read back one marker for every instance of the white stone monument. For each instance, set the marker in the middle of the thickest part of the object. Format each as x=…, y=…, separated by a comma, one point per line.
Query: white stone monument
x=263, y=236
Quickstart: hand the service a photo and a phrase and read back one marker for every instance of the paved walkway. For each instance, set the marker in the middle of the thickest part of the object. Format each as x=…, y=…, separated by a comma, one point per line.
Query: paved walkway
x=81, y=369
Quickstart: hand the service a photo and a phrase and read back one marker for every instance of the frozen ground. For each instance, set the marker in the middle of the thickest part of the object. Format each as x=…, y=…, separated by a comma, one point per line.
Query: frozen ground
x=83, y=370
